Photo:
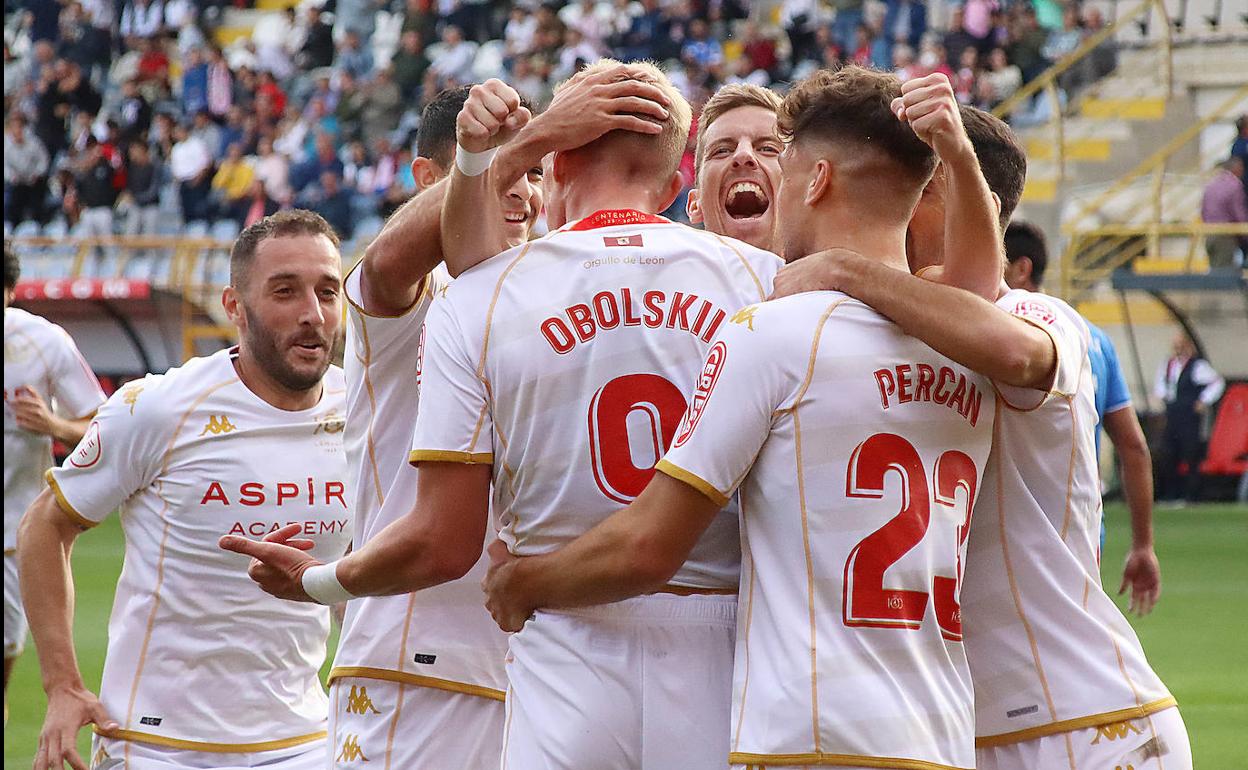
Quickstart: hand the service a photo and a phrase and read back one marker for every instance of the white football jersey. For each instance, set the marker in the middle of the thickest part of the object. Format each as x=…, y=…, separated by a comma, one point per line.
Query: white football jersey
x=857, y=452
x=443, y=636
x=198, y=656
x=38, y=355
x=565, y=363
x=1049, y=651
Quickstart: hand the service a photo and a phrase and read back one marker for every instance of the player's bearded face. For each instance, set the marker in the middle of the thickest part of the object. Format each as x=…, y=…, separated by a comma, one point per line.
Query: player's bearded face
x=739, y=176
x=293, y=309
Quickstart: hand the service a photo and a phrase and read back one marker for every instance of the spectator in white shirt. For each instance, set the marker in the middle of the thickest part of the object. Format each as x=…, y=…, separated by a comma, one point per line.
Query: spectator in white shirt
x=1189, y=386
x=190, y=163
x=453, y=65
x=141, y=18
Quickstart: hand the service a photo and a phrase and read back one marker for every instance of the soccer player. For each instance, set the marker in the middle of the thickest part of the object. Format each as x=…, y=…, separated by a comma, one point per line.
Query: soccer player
x=856, y=453
x=1027, y=253
x=737, y=158
x=418, y=680
x=1060, y=677
x=203, y=669
x=558, y=370
x=42, y=366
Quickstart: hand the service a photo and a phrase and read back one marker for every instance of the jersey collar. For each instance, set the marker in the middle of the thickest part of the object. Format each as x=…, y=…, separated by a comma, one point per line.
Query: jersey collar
x=613, y=217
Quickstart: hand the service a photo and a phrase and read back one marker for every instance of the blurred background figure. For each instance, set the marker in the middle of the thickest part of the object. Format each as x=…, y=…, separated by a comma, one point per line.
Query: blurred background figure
x=1189, y=386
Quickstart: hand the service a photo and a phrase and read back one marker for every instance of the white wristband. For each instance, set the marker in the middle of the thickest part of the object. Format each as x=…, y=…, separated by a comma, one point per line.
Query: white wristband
x=473, y=163
x=321, y=583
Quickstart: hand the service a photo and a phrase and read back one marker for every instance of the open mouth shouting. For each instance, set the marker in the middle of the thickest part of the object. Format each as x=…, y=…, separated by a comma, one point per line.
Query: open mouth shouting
x=746, y=200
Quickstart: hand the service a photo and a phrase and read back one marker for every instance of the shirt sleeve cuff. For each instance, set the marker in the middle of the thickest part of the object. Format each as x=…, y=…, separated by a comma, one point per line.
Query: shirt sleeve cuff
x=64, y=504
x=694, y=480
x=417, y=456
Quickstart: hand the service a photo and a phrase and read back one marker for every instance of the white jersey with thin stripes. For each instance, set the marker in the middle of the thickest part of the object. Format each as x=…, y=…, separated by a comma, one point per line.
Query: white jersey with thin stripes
x=38, y=355
x=857, y=452
x=199, y=657
x=565, y=363
x=1049, y=650
x=443, y=636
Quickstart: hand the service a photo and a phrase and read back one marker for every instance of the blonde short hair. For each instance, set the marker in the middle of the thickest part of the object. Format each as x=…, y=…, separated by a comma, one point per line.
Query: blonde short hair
x=668, y=146
x=729, y=98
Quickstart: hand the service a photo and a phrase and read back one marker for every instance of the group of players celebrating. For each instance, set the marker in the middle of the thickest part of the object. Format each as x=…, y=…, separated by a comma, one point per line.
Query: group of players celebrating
x=839, y=512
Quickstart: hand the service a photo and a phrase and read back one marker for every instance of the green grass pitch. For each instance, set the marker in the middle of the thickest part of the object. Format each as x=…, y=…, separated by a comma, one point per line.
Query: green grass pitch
x=1195, y=638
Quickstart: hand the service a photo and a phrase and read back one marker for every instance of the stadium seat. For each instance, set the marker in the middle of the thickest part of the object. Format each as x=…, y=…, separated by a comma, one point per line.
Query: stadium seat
x=1228, y=443
x=224, y=230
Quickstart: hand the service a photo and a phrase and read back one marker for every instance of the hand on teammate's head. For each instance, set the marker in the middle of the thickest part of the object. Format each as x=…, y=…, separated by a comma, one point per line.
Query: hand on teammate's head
x=928, y=104
x=592, y=103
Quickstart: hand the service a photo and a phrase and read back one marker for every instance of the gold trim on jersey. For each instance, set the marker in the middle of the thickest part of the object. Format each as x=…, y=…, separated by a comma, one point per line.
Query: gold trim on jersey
x=213, y=748
x=843, y=760
x=402, y=677
x=669, y=468
x=422, y=290
x=762, y=293
x=1048, y=392
x=447, y=456
x=1078, y=723
x=70, y=511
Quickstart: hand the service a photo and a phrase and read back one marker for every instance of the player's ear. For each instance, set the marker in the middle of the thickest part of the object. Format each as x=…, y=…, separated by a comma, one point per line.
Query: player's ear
x=693, y=206
x=426, y=172
x=233, y=305
x=674, y=186
x=559, y=166
x=996, y=201
x=820, y=182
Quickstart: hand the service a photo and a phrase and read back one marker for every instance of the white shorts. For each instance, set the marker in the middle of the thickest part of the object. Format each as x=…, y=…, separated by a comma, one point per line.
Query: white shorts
x=112, y=754
x=378, y=723
x=1156, y=742
x=14, y=615
x=642, y=684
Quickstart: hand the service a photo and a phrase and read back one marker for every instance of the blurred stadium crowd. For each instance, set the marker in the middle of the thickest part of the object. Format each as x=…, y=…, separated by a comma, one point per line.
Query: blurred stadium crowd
x=125, y=117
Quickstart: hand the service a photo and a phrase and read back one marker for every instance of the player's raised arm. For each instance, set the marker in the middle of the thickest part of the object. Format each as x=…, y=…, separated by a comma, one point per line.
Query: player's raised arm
x=974, y=255
x=956, y=323
x=403, y=253
x=499, y=145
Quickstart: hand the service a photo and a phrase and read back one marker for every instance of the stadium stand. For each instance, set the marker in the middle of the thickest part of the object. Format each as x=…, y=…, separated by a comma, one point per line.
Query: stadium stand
x=141, y=135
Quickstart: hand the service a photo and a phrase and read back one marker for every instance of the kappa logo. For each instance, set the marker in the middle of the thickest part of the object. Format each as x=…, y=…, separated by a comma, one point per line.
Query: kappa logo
x=89, y=449
x=218, y=424
x=101, y=754
x=711, y=370
x=358, y=701
x=744, y=316
x=331, y=422
x=1116, y=731
x=130, y=396
x=351, y=750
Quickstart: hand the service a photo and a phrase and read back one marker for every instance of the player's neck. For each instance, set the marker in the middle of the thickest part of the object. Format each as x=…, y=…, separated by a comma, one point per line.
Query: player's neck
x=598, y=197
x=269, y=390
x=886, y=245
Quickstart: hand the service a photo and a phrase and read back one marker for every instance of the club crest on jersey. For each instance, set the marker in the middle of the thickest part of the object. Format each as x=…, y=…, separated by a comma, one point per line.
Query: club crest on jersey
x=217, y=425
x=622, y=240
x=744, y=316
x=1036, y=311
x=331, y=422
x=711, y=370
x=89, y=449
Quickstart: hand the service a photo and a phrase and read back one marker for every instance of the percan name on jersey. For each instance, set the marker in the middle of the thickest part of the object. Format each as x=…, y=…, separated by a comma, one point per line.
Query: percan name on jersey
x=611, y=309
x=255, y=493
x=907, y=383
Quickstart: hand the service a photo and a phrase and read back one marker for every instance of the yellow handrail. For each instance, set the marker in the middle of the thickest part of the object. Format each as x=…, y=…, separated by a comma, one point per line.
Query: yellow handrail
x=1049, y=76
x=1156, y=162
